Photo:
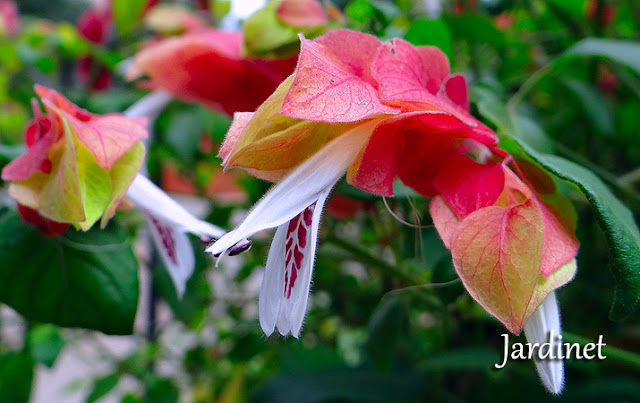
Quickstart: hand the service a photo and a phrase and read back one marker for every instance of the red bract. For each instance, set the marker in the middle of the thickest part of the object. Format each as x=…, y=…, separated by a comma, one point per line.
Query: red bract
x=94, y=25
x=503, y=237
x=209, y=67
x=45, y=225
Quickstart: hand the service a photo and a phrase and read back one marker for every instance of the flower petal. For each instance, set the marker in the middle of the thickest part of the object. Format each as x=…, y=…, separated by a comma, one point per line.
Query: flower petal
x=299, y=260
x=30, y=162
x=154, y=201
x=325, y=89
x=340, y=43
x=271, y=290
x=455, y=90
x=108, y=137
x=301, y=188
x=542, y=327
x=175, y=250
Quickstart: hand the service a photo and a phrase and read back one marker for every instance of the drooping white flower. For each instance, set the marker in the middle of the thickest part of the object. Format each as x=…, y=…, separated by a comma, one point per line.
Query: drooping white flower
x=294, y=206
x=543, y=327
x=169, y=222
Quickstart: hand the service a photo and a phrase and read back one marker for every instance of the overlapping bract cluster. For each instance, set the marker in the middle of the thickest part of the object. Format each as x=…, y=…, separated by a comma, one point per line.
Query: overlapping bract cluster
x=500, y=218
x=209, y=66
x=78, y=165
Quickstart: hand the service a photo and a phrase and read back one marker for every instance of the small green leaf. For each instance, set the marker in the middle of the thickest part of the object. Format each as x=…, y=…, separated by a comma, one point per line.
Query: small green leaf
x=45, y=343
x=384, y=331
x=126, y=14
x=625, y=52
x=79, y=279
x=102, y=386
x=616, y=220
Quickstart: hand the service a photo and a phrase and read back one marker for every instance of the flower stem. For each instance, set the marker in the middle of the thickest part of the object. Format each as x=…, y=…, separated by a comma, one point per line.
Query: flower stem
x=527, y=86
x=366, y=258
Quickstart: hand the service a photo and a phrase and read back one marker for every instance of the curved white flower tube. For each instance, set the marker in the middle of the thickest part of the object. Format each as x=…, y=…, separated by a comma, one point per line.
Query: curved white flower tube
x=294, y=206
x=542, y=325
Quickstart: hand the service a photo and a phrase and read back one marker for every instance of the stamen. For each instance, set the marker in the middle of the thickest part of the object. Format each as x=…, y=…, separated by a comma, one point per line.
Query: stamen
x=399, y=219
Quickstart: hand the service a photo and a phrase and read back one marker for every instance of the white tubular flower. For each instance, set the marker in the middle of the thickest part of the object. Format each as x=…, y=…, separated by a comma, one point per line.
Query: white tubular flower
x=544, y=326
x=294, y=206
x=168, y=221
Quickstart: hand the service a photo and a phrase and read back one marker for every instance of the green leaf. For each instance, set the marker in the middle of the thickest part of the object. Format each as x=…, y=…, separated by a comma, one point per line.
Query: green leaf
x=431, y=32
x=384, y=331
x=616, y=220
x=492, y=107
x=45, y=343
x=594, y=105
x=625, y=52
x=162, y=390
x=475, y=28
x=357, y=385
x=183, y=134
x=126, y=14
x=360, y=11
x=102, y=386
x=464, y=359
x=87, y=280
x=16, y=377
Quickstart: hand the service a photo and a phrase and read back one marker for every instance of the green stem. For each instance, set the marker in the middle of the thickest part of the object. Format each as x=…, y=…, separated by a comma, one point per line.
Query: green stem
x=366, y=258
x=527, y=86
x=609, y=351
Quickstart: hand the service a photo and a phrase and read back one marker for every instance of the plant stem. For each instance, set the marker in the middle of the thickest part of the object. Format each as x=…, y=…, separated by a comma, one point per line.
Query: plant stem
x=366, y=258
x=527, y=86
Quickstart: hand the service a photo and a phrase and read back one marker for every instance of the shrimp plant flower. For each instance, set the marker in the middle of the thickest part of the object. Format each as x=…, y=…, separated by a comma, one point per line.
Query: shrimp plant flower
x=209, y=66
x=382, y=111
x=79, y=166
